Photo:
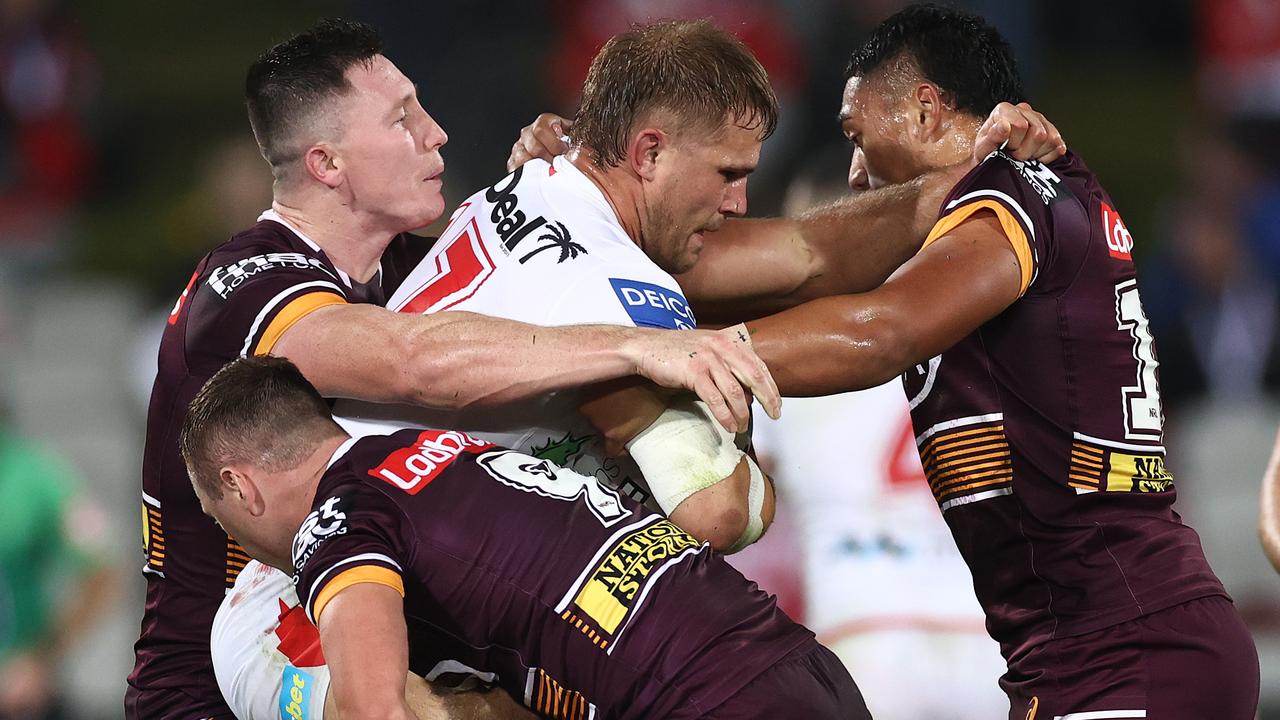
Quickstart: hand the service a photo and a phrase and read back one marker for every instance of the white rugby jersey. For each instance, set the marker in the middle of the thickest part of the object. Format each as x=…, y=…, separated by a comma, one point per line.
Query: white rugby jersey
x=541, y=246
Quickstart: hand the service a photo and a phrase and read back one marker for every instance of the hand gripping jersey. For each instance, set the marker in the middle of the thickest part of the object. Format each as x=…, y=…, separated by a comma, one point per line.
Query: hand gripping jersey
x=1041, y=432
x=570, y=596
x=541, y=246
x=240, y=300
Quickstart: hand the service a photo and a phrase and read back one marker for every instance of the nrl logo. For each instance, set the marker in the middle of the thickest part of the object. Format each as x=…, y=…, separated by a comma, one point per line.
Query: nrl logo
x=319, y=526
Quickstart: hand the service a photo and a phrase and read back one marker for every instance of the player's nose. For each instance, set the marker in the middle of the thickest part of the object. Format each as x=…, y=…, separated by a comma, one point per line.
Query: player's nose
x=735, y=199
x=859, y=178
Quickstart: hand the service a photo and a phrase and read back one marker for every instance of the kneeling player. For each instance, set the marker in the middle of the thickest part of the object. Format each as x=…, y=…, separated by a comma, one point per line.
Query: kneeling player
x=436, y=553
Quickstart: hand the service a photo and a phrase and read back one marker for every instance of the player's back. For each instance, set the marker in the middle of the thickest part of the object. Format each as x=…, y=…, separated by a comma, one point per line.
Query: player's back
x=1041, y=432
x=578, y=600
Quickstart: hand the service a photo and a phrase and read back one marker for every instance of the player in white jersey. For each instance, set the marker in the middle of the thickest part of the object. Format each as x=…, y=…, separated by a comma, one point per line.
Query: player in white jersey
x=593, y=237
x=542, y=245
x=884, y=586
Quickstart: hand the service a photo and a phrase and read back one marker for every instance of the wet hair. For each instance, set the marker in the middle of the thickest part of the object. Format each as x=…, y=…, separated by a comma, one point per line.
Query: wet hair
x=287, y=87
x=968, y=59
x=256, y=410
x=699, y=73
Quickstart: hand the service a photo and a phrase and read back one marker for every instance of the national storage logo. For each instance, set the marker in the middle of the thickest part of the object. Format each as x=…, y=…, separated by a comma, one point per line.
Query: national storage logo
x=652, y=305
x=616, y=582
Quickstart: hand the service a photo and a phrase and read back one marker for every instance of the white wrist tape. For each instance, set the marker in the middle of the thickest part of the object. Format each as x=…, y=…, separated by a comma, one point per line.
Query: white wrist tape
x=755, y=509
x=685, y=450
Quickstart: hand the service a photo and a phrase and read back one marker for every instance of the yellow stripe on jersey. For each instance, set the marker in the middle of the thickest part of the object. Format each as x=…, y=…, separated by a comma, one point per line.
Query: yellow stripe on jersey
x=1013, y=230
x=297, y=309
x=375, y=574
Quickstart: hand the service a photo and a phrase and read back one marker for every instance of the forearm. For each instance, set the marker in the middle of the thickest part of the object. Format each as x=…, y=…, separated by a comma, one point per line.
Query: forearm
x=449, y=360
x=831, y=345
x=1269, y=515
x=85, y=607
x=849, y=246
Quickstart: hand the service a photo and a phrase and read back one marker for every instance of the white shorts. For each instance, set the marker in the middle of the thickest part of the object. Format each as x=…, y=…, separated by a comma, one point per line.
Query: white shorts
x=266, y=654
x=921, y=675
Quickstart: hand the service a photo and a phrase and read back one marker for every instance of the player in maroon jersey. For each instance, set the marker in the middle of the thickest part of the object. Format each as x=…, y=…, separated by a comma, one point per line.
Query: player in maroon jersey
x=357, y=164
x=431, y=551
x=1031, y=375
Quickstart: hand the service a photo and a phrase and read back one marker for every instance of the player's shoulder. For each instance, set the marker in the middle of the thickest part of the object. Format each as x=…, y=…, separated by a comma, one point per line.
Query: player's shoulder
x=267, y=249
x=1028, y=185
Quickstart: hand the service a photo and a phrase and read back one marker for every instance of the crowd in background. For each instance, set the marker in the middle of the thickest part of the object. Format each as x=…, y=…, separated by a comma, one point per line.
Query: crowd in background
x=125, y=156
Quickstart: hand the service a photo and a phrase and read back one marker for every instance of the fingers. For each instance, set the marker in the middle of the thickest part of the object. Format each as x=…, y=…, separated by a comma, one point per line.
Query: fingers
x=1023, y=133
x=751, y=371
x=542, y=139
x=1049, y=143
x=739, y=403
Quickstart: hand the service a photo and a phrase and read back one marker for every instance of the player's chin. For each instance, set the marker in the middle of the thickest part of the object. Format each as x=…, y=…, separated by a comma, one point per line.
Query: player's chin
x=428, y=211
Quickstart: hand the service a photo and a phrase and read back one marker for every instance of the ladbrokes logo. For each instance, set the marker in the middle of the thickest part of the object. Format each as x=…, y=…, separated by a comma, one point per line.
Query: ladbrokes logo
x=229, y=277
x=1119, y=241
x=414, y=467
x=319, y=526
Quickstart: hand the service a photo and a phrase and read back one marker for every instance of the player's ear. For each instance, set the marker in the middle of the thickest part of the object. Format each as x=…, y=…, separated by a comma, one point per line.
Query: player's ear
x=927, y=109
x=643, y=151
x=231, y=482
x=323, y=164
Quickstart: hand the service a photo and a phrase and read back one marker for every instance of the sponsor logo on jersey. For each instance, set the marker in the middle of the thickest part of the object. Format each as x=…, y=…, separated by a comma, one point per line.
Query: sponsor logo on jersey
x=652, y=305
x=225, y=279
x=323, y=523
x=295, y=693
x=182, y=299
x=414, y=467
x=1044, y=181
x=562, y=451
x=556, y=237
x=618, y=579
x=1119, y=241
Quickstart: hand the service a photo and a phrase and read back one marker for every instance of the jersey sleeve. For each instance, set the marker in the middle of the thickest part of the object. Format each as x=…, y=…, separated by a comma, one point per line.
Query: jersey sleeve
x=244, y=306
x=354, y=536
x=1019, y=194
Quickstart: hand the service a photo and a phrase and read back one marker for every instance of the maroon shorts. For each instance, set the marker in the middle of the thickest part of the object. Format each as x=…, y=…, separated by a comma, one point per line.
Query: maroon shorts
x=1191, y=661
x=809, y=683
x=172, y=704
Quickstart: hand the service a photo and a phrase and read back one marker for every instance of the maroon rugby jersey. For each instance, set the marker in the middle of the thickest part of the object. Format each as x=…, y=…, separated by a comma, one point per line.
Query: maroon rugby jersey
x=1041, y=432
x=240, y=300
x=574, y=599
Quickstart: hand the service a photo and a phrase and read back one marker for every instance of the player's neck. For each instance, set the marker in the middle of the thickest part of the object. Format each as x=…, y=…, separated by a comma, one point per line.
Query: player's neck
x=620, y=190
x=354, y=244
x=954, y=144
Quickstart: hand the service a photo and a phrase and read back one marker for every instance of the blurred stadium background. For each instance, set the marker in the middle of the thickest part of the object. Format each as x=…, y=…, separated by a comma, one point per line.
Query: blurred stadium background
x=125, y=155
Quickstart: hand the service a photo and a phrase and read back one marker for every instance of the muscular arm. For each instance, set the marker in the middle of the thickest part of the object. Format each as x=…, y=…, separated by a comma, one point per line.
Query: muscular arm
x=851, y=342
x=366, y=645
x=1269, y=516
x=749, y=267
x=455, y=359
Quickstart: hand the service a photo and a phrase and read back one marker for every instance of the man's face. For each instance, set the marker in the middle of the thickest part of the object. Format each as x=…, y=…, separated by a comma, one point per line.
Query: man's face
x=389, y=148
x=232, y=516
x=701, y=179
x=877, y=124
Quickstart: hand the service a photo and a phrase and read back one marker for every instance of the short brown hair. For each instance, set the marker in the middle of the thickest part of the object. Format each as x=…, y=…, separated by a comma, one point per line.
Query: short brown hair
x=289, y=84
x=257, y=410
x=694, y=70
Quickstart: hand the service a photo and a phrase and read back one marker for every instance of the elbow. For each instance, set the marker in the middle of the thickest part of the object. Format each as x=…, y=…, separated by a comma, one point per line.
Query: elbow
x=719, y=523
